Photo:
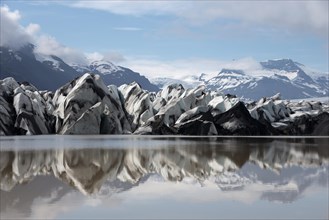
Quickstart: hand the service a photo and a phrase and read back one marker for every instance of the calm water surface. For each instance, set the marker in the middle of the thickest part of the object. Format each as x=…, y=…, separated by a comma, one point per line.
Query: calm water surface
x=141, y=177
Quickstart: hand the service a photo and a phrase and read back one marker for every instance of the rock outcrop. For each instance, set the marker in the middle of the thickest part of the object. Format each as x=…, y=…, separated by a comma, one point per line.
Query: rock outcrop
x=24, y=110
x=292, y=118
x=86, y=106
x=238, y=121
x=137, y=103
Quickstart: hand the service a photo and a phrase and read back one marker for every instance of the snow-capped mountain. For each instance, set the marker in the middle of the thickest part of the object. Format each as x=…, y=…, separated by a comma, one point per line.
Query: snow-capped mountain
x=45, y=72
x=48, y=72
x=227, y=79
x=187, y=82
x=292, y=79
x=104, y=67
x=113, y=74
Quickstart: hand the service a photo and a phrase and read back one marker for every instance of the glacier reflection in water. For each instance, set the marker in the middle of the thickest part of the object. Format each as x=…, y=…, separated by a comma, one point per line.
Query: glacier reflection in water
x=163, y=177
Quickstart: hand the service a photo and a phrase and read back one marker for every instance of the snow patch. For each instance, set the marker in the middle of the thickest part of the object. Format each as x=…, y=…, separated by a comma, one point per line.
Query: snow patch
x=290, y=75
x=104, y=67
x=48, y=58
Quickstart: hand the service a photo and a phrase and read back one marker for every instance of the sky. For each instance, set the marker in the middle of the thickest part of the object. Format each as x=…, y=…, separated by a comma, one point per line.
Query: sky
x=172, y=38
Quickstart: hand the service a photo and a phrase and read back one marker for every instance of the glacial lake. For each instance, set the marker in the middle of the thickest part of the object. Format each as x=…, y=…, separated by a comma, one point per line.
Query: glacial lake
x=164, y=177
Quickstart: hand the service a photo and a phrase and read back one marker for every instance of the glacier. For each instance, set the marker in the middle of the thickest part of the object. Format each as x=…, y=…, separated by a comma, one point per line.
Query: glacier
x=87, y=106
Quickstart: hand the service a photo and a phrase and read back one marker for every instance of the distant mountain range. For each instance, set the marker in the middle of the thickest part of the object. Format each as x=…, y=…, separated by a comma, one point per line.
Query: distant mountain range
x=116, y=75
x=51, y=72
x=23, y=65
x=291, y=79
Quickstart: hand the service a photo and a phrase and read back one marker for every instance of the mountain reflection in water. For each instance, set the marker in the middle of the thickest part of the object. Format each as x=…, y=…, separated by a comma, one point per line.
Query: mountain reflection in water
x=250, y=169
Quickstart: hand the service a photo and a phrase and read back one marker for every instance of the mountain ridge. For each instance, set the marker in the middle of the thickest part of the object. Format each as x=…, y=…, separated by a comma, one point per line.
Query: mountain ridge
x=48, y=72
x=286, y=76
x=290, y=78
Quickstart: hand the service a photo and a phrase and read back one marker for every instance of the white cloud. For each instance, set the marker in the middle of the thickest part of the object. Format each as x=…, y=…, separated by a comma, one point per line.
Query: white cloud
x=12, y=33
x=111, y=56
x=247, y=64
x=311, y=16
x=303, y=14
x=181, y=68
x=114, y=56
x=131, y=7
x=94, y=56
x=173, y=69
x=48, y=45
x=15, y=35
x=32, y=29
